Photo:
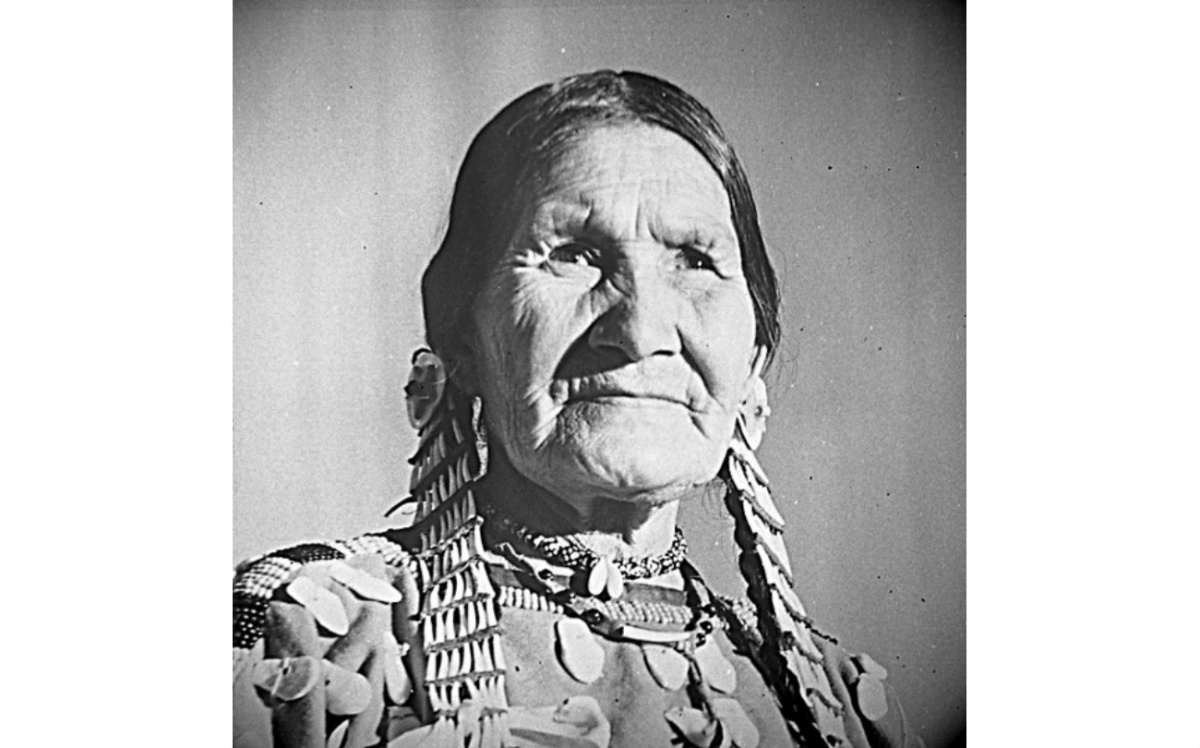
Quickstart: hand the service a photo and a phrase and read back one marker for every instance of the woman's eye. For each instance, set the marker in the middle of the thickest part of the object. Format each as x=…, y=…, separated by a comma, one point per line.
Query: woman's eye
x=578, y=254
x=694, y=259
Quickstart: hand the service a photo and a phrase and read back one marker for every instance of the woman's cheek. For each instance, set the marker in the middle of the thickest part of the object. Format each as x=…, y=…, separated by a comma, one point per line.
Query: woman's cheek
x=722, y=341
x=557, y=315
x=535, y=339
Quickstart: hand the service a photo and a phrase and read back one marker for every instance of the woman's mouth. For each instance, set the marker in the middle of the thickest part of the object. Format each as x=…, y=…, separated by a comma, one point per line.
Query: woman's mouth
x=613, y=387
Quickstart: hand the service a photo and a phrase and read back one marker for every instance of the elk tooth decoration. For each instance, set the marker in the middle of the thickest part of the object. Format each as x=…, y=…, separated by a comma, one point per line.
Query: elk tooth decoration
x=497, y=653
x=606, y=577
x=717, y=671
x=581, y=656
x=872, y=697
x=471, y=620
x=323, y=604
x=464, y=661
x=439, y=628
x=615, y=584
x=738, y=727
x=597, y=578
x=668, y=665
x=363, y=584
x=346, y=692
x=464, y=669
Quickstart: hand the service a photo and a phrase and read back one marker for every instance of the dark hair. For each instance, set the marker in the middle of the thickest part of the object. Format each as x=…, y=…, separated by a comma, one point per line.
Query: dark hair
x=529, y=131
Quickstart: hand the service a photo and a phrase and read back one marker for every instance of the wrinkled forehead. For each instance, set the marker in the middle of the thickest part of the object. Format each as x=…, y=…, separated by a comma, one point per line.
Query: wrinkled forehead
x=625, y=162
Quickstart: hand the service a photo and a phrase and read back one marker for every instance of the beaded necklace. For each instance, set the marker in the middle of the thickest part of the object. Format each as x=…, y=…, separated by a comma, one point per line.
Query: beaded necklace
x=572, y=554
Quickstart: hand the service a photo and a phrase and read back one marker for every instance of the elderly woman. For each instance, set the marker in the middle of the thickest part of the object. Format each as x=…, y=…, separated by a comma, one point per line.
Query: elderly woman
x=599, y=315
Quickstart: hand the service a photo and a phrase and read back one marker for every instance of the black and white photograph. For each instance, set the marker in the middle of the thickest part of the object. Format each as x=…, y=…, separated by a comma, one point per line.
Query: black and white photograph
x=599, y=374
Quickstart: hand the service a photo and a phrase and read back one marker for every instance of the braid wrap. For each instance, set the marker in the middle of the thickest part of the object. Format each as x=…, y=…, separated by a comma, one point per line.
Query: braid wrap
x=783, y=648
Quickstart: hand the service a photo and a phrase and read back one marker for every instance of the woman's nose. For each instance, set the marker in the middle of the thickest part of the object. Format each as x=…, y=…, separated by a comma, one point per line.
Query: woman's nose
x=642, y=321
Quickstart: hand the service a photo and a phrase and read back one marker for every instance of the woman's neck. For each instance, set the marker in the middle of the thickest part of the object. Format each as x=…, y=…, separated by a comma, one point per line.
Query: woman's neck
x=609, y=527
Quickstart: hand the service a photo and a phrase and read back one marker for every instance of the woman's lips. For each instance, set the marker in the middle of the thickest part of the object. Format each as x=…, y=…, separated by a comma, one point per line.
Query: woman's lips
x=624, y=396
x=604, y=387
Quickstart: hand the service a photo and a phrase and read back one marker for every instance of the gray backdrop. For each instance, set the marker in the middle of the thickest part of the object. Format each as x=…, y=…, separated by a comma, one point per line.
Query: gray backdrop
x=349, y=125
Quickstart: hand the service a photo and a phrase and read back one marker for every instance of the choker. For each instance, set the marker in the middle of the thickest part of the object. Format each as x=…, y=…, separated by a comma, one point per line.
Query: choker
x=574, y=555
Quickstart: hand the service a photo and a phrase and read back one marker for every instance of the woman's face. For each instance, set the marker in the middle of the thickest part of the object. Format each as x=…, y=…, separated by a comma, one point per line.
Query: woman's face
x=614, y=338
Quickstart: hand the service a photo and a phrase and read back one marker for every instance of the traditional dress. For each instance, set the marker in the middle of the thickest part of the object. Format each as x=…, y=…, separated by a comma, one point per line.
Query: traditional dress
x=466, y=629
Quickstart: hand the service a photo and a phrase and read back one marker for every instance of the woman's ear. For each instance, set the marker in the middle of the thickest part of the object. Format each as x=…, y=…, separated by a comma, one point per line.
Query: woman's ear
x=754, y=382
x=752, y=416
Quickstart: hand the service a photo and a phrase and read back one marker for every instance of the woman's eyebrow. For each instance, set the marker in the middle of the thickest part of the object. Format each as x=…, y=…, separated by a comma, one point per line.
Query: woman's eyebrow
x=560, y=217
x=690, y=234
x=673, y=227
x=690, y=228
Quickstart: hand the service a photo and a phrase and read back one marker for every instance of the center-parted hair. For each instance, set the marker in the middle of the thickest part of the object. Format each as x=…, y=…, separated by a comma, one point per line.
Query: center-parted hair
x=516, y=145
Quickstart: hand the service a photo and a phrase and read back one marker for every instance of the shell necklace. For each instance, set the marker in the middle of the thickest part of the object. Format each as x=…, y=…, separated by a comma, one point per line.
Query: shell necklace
x=604, y=574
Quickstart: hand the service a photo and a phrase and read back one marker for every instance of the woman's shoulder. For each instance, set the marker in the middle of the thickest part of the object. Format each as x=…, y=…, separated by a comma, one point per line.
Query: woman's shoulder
x=258, y=579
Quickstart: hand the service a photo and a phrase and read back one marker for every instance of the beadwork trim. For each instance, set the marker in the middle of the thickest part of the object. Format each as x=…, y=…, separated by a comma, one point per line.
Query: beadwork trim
x=527, y=599
x=623, y=611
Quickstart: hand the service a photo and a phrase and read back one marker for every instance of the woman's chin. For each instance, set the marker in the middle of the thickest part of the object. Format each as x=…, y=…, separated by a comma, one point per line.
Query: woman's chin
x=654, y=470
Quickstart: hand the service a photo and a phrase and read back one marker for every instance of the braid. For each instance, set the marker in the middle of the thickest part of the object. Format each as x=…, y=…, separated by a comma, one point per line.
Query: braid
x=787, y=656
